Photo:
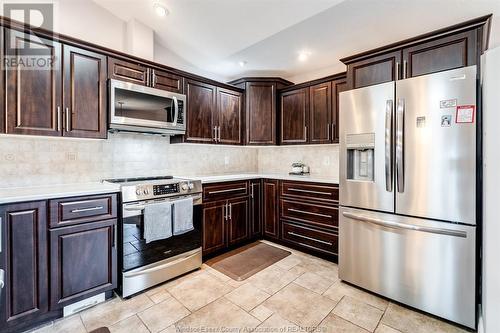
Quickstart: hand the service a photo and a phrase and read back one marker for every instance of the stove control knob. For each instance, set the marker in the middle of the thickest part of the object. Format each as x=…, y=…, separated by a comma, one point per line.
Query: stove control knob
x=184, y=187
x=191, y=186
x=138, y=191
x=146, y=191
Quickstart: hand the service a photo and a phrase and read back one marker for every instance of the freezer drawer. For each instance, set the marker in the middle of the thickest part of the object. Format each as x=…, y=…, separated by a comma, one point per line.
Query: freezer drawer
x=425, y=264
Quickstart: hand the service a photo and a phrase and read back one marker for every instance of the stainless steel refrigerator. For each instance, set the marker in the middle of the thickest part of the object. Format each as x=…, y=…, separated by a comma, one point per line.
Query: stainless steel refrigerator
x=408, y=192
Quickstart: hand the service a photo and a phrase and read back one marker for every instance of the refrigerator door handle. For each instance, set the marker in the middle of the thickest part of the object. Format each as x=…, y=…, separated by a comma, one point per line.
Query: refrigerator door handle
x=388, y=144
x=397, y=225
x=400, y=133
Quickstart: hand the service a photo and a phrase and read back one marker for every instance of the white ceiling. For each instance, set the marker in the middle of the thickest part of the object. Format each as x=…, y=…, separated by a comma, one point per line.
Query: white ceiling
x=214, y=35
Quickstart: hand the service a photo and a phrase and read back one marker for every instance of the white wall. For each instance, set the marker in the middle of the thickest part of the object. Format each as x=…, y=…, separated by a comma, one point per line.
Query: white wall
x=491, y=192
x=139, y=40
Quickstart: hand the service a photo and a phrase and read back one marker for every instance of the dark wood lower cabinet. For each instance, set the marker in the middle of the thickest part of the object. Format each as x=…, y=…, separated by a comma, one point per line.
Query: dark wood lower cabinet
x=24, y=260
x=83, y=261
x=237, y=220
x=255, y=208
x=270, y=208
x=214, y=231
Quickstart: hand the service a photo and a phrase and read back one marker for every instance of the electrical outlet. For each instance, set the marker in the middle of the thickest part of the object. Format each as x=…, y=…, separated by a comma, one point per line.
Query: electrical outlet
x=226, y=160
x=9, y=157
x=71, y=156
x=326, y=160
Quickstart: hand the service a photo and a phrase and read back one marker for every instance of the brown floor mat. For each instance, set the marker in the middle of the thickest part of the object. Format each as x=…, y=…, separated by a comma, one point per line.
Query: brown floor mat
x=244, y=262
x=101, y=330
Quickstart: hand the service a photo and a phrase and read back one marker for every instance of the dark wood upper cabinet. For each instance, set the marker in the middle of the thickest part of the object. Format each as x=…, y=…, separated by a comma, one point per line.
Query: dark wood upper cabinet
x=378, y=69
x=270, y=208
x=238, y=220
x=294, y=120
x=33, y=97
x=450, y=52
x=84, y=93
x=261, y=113
x=255, y=208
x=128, y=71
x=201, y=99
x=167, y=81
x=338, y=86
x=25, y=263
x=320, y=113
x=229, y=116
x=83, y=261
x=214, y=231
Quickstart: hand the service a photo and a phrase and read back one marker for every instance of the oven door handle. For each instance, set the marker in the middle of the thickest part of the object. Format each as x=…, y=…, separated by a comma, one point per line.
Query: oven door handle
x=135, y=208
x=160, y=267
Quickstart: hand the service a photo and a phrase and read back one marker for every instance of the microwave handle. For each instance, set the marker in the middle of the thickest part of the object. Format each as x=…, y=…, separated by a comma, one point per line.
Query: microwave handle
x=176, y=108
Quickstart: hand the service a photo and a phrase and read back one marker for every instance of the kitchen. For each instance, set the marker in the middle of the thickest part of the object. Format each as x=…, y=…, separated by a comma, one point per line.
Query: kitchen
x=151, y=183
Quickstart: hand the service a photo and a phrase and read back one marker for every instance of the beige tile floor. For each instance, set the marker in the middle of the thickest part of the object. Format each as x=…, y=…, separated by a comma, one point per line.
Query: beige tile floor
x=300, y=293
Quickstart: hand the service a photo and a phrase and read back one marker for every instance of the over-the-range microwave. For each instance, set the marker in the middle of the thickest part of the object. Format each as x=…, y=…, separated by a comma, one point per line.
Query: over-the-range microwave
x=136, y=108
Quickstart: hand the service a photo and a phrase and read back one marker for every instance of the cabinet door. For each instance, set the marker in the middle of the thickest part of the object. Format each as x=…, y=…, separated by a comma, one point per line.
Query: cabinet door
x=85, y=93
x=229, y=116
x=82, y=262
x=320, y=113
x=167, y=81
x=238, y=220
x=374, y=70
x=458, y=50
x=128, y=71
x=214, y=231
x=25, y=263
x=255, y=208
x=294, y=116
x=338, y=86
x=270, y=208
x=201, y=111
x=261, y=113
x=33, y=97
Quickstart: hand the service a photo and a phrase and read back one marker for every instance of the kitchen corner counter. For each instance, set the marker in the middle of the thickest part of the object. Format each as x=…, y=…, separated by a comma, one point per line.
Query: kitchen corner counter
x=247, y=176
x=33, y=193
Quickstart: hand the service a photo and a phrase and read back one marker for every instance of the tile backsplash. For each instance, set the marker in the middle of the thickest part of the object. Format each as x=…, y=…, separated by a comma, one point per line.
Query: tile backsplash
x=27, y=160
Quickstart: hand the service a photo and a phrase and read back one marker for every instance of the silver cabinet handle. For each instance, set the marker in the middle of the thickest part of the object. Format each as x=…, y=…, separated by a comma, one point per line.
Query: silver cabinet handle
x=309, y=238
x=230, y=190
x=251, y=193
x=218, y=127
x=306, y=212
x=176, y=109
x=334, y=130
x=308, y=191
x=230, y=211
x=328, y=132
x=404, y=69
x=147, y=76
x=397, y=225
x=154, y=78
x=67, y=119
x=397, y=71
x=80, y=210
x=388, y=145
x=225, y=212
x=59, y=118
x=305, y=133
x=400, y=124
x=2, y=278
x=114, y=235
x=215, y=133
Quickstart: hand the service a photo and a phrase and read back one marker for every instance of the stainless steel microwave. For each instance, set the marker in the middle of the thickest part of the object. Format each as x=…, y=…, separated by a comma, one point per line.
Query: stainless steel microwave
x=136, y=108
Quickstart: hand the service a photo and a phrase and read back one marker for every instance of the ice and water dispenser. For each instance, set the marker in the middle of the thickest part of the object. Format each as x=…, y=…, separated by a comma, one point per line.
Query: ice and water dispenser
x=360, y=157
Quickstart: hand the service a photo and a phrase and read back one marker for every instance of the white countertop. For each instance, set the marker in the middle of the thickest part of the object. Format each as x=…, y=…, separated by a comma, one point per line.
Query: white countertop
x=245, y=176
x=23, y=194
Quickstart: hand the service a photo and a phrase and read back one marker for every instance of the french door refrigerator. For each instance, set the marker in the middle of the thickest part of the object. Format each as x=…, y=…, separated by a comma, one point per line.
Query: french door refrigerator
x=408, y=192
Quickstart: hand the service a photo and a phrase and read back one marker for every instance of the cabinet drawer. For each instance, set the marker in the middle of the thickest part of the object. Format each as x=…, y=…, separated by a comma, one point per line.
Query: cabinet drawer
x=310, y=238
x=315, y=214
x=221, y=191
x=314, y=191
x=82, y=209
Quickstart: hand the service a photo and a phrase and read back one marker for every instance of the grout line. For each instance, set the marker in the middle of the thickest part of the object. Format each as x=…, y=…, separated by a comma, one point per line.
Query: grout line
x=142, y=321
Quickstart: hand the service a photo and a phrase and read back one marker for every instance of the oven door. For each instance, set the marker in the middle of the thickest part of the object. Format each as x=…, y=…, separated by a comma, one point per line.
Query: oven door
x=133, y=105
x=136, y=253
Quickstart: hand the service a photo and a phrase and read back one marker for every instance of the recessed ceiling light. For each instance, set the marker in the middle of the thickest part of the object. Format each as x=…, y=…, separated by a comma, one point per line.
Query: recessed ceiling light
x=242, y=63
x=160, y=10
x=304, y=55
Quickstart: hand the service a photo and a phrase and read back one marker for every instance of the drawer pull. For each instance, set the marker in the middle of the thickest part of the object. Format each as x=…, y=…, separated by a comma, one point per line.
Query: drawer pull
x=80, y=210
x=309, y=238
x=310, y=213
x=230, y=190
x=308, y=191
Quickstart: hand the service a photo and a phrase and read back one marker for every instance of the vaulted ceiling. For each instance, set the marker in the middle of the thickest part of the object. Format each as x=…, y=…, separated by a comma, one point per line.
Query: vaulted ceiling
x=269, y=35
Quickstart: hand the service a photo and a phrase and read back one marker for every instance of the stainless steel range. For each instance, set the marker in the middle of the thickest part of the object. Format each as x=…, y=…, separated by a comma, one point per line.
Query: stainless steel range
x=143, y=265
